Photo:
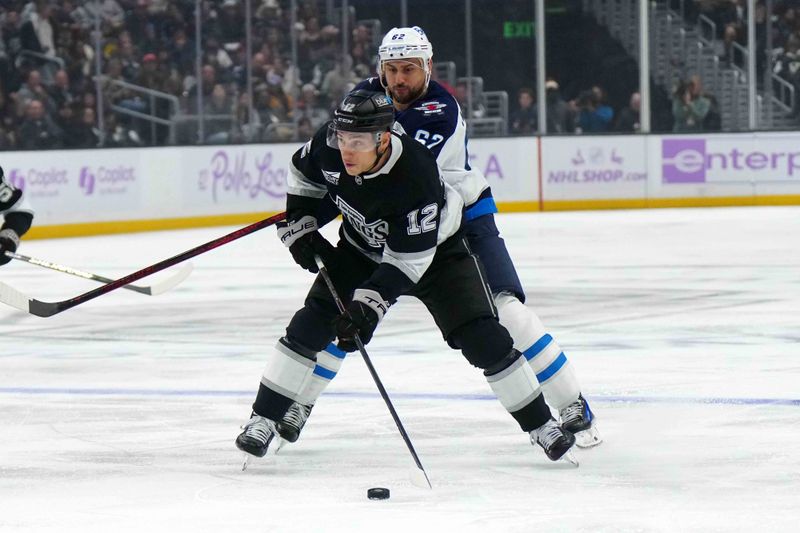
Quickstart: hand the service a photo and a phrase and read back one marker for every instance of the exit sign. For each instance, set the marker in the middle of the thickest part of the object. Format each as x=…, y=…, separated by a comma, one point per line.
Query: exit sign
x=518, y=30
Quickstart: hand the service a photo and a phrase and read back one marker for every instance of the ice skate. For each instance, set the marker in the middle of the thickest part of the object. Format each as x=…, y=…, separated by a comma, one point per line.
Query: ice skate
x=292, y=423
x=254, y=440
x=578, y=419
x=555, y=441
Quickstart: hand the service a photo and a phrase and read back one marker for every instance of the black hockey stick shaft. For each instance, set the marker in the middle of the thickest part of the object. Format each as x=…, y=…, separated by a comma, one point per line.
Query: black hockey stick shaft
x=325, y=276
x=45, y=309
x=72, y=271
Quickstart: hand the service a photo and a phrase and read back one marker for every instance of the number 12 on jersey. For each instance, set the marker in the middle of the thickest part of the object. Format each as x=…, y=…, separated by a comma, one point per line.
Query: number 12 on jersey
x=429, y=213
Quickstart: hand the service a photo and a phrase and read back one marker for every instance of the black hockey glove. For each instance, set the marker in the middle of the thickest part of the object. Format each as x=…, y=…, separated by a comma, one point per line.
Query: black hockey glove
x=9, y=240
x=361, y=317
x=358, y=319
x=304, y=242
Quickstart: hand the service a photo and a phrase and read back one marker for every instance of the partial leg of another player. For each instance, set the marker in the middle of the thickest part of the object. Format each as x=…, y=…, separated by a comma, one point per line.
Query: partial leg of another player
x=553, y=370
x=457, y=296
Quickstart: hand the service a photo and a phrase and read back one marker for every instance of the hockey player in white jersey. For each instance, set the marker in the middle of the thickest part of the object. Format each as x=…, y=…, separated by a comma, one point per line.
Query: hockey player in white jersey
x=17, y=217
x=429, y=114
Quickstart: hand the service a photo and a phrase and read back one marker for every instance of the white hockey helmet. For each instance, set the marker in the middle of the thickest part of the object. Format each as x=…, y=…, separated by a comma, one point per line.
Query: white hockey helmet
x=405, y=43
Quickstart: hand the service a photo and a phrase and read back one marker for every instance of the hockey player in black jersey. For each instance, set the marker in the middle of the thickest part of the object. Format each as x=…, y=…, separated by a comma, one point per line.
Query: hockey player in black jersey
x=17, y=218
x=401, y=235
x=429, y=114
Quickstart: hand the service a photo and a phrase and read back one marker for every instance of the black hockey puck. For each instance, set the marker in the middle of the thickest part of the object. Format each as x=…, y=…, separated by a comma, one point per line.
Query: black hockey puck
x=378, y=493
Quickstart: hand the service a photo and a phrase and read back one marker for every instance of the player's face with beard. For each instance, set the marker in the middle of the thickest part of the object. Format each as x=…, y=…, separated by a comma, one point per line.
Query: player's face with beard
x=405, y=80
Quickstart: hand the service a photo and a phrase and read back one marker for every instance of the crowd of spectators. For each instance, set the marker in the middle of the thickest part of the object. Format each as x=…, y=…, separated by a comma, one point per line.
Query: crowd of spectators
x=693, y=110
x=780, y=56
x=588, y=113
x=48, y=89
x=47, y=93
x=48, y=61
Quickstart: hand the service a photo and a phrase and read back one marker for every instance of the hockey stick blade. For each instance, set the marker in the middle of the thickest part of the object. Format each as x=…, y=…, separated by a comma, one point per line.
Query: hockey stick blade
x=150, y=290
x=419, y=478
x=166, y=284
x=14, y=298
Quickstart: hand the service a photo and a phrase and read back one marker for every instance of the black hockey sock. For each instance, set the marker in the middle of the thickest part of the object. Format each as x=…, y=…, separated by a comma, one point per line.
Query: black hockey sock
x=533, y=415
x=271, y=404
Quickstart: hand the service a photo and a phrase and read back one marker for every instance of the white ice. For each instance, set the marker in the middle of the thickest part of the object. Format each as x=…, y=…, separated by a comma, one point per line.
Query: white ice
x=119, y=415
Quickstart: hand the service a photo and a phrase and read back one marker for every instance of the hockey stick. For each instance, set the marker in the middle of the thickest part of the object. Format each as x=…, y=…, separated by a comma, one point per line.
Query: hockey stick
x=418, y=476
x=14, y=298
x=150, y=290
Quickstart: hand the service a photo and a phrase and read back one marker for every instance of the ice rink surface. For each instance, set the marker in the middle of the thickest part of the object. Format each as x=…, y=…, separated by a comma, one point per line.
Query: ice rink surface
x=119, y=415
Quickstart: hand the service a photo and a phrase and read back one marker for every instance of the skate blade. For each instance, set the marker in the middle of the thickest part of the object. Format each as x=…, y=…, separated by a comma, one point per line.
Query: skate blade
x=249, y=460
x=569, y=457
x=281, y=443
x=588, y=438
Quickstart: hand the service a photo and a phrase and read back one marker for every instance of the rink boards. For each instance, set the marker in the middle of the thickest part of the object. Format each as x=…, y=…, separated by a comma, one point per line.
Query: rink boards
x=84, y=192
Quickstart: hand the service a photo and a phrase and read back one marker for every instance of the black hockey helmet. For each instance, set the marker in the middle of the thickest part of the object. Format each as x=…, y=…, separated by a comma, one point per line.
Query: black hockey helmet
x=360, y=120
x=364, y=111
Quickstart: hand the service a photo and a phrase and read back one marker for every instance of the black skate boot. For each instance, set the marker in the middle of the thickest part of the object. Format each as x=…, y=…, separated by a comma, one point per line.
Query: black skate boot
x=577, y=418
x=258, y=433
x=293, y=421
x=554, y=440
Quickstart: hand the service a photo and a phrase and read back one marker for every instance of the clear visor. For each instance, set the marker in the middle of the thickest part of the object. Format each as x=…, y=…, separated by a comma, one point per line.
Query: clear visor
x=353, y=141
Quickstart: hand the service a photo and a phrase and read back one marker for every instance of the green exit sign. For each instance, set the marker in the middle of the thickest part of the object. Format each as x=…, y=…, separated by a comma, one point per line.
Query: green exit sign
x=518, y=30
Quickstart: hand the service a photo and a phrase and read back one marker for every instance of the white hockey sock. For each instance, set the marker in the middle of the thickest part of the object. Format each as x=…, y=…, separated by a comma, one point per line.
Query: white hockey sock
x=287, y=372
x=329, y=361
x=515, y=386
x=553, y=371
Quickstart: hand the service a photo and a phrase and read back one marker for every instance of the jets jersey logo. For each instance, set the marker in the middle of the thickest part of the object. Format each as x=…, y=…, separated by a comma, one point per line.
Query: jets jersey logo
x=373, y=233
x=431, y=108
x=331, y=177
